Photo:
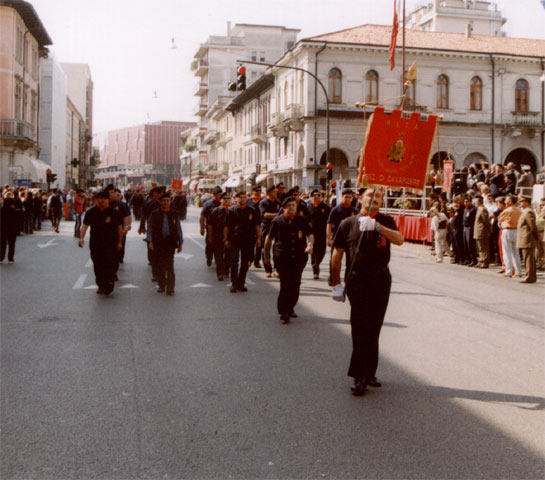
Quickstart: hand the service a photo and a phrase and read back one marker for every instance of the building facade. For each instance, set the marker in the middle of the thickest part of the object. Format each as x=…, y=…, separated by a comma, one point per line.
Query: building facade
x=488, y=90
x=141, y=154
x=23, y=40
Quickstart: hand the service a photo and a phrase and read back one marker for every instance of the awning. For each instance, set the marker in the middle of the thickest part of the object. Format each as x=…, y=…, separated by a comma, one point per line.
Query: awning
x=39, y=170
x=193, y=184
x=262, y=176
x=232, y=182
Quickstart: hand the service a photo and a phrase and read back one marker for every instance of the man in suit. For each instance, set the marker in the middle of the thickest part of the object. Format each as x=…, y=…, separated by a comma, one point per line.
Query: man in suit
x=481, y=233
x=497, y=181
x=527, y=237
x=165, y=236
x=470, y=246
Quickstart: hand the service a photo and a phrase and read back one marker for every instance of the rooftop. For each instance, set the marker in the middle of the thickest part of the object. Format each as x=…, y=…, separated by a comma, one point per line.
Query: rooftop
x=379, y=35
x=31, y=19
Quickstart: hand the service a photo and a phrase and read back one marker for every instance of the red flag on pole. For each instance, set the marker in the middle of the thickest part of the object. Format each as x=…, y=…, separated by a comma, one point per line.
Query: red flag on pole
x=393, y=41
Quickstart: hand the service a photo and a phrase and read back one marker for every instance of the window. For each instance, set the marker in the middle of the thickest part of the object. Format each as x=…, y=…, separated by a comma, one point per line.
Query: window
x=476, y=94
x=335, y=77
x=371, y=86
x=254, y=56
x=18, y=100
x=262, y=56
x=442, y=91
x=522, y=91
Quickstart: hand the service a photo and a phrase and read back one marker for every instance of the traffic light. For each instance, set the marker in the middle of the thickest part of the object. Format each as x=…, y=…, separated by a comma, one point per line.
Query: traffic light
x=232, y=87
x=241, y=78
x=329, y=171
x=50, y=177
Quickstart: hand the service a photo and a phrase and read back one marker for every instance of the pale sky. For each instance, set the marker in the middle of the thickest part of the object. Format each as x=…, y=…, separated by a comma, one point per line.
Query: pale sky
x=127, y=42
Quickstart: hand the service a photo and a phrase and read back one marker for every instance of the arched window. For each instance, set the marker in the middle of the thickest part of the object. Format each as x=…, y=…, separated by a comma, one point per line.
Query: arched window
x=522, y=93
x=442, y=91
x=476, y=94
x=335, y=77
x=371, y=86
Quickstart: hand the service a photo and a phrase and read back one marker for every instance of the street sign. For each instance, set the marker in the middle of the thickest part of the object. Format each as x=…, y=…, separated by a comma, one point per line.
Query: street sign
x=23, y=182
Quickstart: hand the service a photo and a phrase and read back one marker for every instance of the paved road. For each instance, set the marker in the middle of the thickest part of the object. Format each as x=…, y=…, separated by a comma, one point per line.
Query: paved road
x=209, y=384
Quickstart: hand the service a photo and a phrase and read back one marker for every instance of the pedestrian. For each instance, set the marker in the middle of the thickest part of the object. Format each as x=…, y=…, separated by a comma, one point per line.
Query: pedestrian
x=289, y=232
x=241, y=225
x=526, y=180
x=151, y=205
x=319, y=214
x=28, y=211
x=269, y=208
x=206, y=210
x=37, y=207
x=254, y=202
x=470, y=246
x=439, y=224
x=366, y=237
x=106, y=241
x=124, y=211
x=54, y=209
x=10, y=225
x=180, y=204
x=281, y=192
x=216, y=222
x=509, y=218
x=137, y=203
x=481, y=233
x=527, y=237
x=540, y=222
x=79, y=208
x=165, y=236
x=497, y=180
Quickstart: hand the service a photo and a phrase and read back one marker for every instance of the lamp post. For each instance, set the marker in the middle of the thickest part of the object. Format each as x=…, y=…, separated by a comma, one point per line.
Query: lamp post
x=321, y=85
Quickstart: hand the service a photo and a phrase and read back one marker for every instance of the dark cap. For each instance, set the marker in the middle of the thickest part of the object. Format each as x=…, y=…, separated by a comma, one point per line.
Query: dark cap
x=315, y=191
x=347, y=191
x=242, y=192
x=102, y=194
x=225, y=195
x=525, y=197
x=216, y=190
x=271, y=188
x=288, y=199
x=109, y=187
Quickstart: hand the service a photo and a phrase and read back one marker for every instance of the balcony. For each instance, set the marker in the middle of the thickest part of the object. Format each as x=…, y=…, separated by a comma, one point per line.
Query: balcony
x=224, y=138
x=257, y=136
x=202, y=68
x=17, y=130
x=202, y=131
x=528, y=119
x=277, y=125
x=200, y=89
x=211, y=137
x=294, y=114
x=200, y=109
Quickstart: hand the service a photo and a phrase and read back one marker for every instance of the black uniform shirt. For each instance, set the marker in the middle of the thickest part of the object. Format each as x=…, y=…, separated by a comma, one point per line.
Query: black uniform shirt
x=318, y=218
x=266, y=206
x=290, y=236
x=458, y=219
x=255, y=206
x=207, y=208
x=121, y=208
x=469, y=217
x=241, y=223
x=374, y=252
x=302, y=209
x=338, y=214
x=104, y=231
x=217, y=220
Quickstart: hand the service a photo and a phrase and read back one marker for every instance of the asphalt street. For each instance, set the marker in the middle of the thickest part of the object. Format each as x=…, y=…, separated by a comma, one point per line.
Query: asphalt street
x=209, y=384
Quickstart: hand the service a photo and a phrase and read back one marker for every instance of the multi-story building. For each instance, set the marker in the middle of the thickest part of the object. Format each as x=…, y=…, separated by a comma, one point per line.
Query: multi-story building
x=23, y=40
x=488, y=90
x=52, y=118
x=76, y=146
x=80, y=93
x=215, y=66
x=140, y=154
x=455, y=16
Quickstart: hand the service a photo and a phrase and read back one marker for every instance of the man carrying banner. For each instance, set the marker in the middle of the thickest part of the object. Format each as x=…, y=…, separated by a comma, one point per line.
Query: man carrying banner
x=366, y=238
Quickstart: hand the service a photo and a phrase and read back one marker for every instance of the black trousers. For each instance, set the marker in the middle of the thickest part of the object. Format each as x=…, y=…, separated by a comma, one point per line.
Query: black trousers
x=256, y=253
x=470, y=246
x=77, y=225
x=368, y=304
x=290, y=272
x=222, y=257
x=208, y=249
x=121, y=253
x=458, y=245
x=164, y=267
x=56, y=216
x=242, y=253
x=264, y=232
x=7, y=240
x=105, y=266
x=318, y=253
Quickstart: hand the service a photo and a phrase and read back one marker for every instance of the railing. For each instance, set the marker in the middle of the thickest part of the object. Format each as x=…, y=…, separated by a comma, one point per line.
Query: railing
x=200, y=109
x=404, y=203
x=200, y=88
x=294, y=110
x=525, y=118
x=17, y=128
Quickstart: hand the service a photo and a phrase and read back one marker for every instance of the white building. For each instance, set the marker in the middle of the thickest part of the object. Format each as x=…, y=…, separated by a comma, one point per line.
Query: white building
x=455, y=16
x=52, y=118
x=486, y=88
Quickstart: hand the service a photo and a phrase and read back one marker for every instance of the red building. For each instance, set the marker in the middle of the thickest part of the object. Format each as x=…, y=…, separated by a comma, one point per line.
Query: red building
x=141, y=154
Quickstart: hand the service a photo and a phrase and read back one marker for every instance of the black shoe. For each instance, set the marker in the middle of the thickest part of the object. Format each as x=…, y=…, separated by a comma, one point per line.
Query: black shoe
x=233, y=289
x=257, y=265
x=170, y=294
x=208, y=263
x=161, y=290
x=292, y=314
x=316, y=276
x=243, y=288
x=121, y=261
x=285, y=318
x=358, y=389
x=109, y=289
x=100, y=291
x=374, y=383
x=220, y=278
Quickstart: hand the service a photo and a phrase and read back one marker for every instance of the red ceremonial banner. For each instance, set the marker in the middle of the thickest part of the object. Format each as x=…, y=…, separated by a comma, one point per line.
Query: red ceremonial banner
x=176, y=184
x=447, y=175
x=397, y=149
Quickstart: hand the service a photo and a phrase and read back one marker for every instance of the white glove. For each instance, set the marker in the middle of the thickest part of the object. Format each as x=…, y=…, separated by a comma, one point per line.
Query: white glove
x=337, y=293
x=367, y=224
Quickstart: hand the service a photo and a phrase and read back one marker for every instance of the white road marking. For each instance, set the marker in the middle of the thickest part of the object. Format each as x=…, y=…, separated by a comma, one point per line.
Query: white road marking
x=130, y=285
x=248, y=281
x=48, y=244
x=91, y=287
x=200, y=285
x=185, y=256
x=80, y=282
x=195, y=241
x=89, y=264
